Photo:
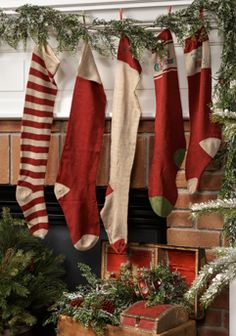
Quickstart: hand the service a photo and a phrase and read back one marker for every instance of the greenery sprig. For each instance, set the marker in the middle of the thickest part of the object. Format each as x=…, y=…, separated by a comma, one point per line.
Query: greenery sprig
x=30, y=277
x=214, y=277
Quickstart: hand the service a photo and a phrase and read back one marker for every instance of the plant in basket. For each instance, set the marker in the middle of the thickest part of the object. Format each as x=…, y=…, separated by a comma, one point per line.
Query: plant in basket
x=30, y=277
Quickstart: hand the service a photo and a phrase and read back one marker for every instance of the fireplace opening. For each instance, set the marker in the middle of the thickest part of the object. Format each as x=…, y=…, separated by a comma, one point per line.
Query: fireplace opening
x=144, y=226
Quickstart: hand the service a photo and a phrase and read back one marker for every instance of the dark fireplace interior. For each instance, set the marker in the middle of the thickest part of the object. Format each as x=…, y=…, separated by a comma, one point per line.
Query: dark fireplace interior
x=144, y=226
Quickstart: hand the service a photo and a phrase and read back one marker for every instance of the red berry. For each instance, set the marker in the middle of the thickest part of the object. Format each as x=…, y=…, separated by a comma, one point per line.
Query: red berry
x=76, y=302
x=108, y=306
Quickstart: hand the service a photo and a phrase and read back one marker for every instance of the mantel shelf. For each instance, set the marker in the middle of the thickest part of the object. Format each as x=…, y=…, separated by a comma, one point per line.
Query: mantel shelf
x=91, y=5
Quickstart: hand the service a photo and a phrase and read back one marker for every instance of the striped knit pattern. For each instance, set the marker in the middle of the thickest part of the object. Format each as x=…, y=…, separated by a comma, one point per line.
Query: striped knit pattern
x=35, y=137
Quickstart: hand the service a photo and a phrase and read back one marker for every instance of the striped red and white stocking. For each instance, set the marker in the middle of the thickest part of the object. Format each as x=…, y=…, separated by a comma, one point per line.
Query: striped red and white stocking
x=125, y=119
x=169, y=142
x=205, y=136
x=75, y=187
x=35, y=137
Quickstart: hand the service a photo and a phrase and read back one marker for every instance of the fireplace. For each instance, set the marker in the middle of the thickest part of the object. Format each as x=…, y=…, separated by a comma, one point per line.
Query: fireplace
x=144, y=226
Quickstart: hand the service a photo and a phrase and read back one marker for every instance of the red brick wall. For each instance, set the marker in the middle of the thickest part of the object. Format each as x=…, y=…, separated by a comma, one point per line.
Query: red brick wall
x=182, y=231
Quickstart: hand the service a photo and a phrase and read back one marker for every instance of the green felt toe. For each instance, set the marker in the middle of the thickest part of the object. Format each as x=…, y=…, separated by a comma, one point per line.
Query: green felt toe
x=161, y=206
x=179, y=156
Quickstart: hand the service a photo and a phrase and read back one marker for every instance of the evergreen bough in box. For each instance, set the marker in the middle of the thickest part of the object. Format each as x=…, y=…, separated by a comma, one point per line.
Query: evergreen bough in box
x=101, y=302
x=30, y=277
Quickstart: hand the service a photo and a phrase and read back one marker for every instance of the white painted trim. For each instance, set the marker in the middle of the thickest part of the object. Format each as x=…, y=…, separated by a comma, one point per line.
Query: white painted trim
x=232, y=308
x=91, y=5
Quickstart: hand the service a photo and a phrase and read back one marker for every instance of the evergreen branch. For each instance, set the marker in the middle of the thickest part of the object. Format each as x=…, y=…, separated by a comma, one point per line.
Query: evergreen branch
x=214, y=277
x=225, y=207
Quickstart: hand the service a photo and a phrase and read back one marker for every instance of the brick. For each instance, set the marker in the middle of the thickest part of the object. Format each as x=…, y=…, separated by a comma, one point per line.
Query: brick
x=185, y=199
x=10, y=126
x=210, y=256
x=138, y=174
x=226, y=319
x=213, y=318
x=193, y=238
x=214, y=165
x=64, y=126
x=207, y=331
x=4, y=159
x=181, y=180
x=103, y=166
x=15, y=158
x=183, y=162
x=57, y=126
x=53, y=160
x=180, y=219
x=107, y=128
x=186, y=125
x=210, y=222
x=146, y=125
x=222, y=300
x=187, y=138
x=211, y=181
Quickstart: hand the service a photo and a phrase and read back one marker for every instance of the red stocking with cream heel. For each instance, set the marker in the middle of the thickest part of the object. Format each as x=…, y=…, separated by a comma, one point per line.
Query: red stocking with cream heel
x=75, y=186
x=205, y=136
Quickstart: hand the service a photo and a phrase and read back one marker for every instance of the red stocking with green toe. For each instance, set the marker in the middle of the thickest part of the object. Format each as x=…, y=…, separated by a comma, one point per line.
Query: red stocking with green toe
x=169, y=145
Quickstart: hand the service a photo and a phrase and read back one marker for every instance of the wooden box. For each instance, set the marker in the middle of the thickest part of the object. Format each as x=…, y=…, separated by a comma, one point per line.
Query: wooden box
x=186, y=260
x=68, y=327
x=156, y=319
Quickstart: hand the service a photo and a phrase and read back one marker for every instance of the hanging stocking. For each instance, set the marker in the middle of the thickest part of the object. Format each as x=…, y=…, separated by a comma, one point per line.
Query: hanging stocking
x=169, y=145
x=75, y=188
x=205, y=136
x=35, y=137
x=125, y=119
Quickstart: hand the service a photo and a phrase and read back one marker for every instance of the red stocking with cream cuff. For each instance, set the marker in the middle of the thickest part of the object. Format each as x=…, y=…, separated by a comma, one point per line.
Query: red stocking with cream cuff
x=205, y=136
x=169, y=142
x=75, y=186
x=125, y=119
x=35, y=137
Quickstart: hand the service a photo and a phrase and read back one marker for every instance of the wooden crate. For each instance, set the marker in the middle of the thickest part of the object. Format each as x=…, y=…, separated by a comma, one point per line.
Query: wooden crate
x=186, y=260
x=68, y=327
x=137, y=255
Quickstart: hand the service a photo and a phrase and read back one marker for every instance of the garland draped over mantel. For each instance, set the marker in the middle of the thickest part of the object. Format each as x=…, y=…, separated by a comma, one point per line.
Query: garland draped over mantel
x=41, y=23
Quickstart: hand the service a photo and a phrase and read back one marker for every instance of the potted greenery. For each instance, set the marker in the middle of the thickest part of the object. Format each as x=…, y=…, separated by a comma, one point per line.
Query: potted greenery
x=30, y=277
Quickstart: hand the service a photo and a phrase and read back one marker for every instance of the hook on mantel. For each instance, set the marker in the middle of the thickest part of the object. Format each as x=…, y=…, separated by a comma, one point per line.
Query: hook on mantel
x=121, y=13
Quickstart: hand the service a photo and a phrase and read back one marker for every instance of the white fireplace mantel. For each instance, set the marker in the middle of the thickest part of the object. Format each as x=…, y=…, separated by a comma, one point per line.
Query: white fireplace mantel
x=14, y=64
x=91, y=5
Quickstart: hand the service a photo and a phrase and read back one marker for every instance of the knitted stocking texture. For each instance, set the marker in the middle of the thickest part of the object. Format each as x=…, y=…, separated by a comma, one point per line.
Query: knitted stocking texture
x=35, y=137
